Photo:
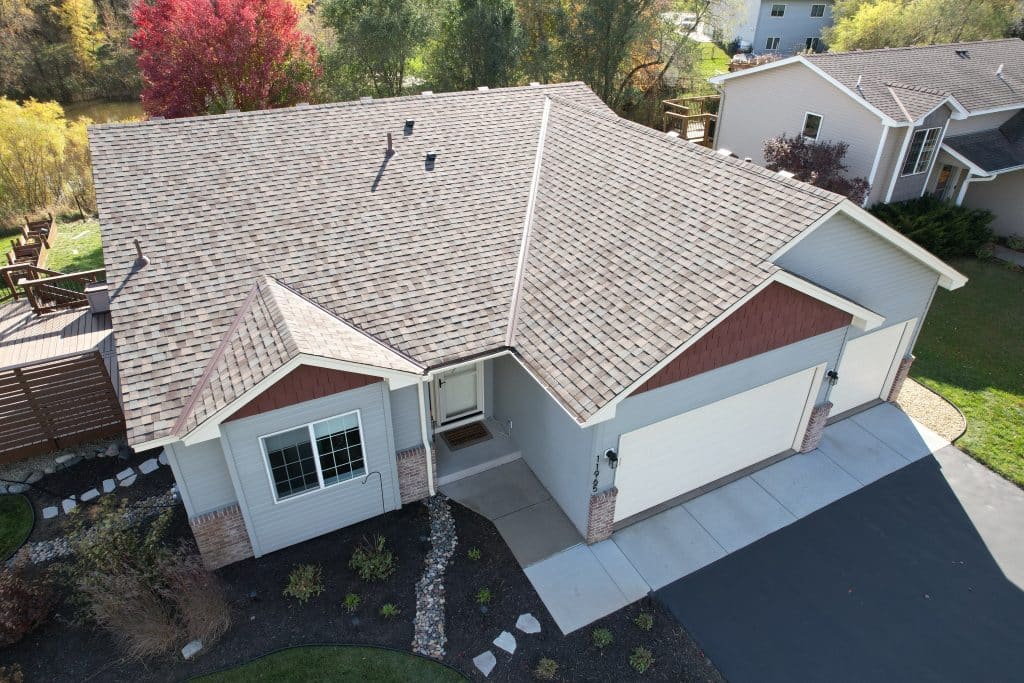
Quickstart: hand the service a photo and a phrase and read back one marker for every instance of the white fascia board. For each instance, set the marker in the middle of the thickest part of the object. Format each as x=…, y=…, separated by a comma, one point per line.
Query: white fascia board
x=958, y=113
x=863, y=318
x=721, y=78
x=435, y=371
x=971, y=166
x=210, y=427
x=161, y=442
x=995, y=110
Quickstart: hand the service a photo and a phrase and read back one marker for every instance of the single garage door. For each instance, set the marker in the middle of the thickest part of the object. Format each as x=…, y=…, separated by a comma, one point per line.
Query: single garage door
x=675, y=456
x=868, y=365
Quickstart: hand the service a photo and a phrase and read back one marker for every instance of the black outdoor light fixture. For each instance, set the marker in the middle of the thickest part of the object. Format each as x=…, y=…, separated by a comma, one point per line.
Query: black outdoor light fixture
x=833, y=378
x=613, y=458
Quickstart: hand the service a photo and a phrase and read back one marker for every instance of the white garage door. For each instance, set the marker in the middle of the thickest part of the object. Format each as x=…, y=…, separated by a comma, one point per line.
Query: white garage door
x=867, y=366
x=669, y=458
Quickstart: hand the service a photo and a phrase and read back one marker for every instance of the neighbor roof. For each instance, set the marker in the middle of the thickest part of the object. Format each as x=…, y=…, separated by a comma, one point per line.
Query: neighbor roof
x=964, y=71
x=993, y=150
x=636, y=242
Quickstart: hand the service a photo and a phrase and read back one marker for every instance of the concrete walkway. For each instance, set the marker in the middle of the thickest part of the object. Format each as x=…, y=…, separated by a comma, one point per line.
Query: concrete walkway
x=584, y=583
x=1008, y=255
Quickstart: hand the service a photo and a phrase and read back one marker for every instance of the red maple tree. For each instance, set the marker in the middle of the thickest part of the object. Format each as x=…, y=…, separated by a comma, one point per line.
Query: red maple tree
x=200, y=56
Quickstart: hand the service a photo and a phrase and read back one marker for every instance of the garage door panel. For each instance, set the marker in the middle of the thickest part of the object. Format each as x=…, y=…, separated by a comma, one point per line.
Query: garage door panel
x=866, y=367
x=677, y=455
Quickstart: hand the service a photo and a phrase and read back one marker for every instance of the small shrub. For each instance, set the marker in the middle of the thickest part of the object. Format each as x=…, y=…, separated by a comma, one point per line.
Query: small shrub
x=12, y=674
x=304, y=582
x=942, y=228
x=644, y=621
x=641, y=659
x=373, y=561
x=474, y=554
x=389, y=610
x=985, y=251
x=197, y=596
x=25, y=603
x=352, y=602
x=1015, y=242
x=602, y=638
x=484, y=596
x=546, y=669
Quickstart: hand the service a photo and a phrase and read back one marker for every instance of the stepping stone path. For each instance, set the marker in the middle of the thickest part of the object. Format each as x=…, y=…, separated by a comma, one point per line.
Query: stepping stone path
x=429, y=637
x=109, y=485
x=163, y=458
x=148, y=466
x=527, y=623
x=68, y=505
x=50, y=512
x=485, y=663
x=191, y=649
x=125, y=483
x=506, y=641
x=124, y=474
x=89, y=495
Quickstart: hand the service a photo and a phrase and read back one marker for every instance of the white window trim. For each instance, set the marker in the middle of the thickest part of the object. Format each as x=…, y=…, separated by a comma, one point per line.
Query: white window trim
x=815, y=42
x=768, y=43
x=316, y=457
x=820, y=125
x=772, y=9
x=917, y=161
x=818, y=16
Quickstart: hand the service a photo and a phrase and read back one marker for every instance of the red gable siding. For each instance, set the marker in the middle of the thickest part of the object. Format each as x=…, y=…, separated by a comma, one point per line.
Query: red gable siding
x=304, y=383
x=777, y=316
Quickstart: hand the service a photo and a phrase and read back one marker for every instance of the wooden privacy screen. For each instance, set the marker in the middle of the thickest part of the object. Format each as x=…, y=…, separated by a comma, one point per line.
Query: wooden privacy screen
x=56, y=404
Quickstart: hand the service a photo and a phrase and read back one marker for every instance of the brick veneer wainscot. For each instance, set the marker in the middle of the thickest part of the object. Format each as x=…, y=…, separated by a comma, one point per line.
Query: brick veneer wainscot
x=601, y=515
x=901, y=376
x=222, y=537
x=412, y=473
x=815, y=427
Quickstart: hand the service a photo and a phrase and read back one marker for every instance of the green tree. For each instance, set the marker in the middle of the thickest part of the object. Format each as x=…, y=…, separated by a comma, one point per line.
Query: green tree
x=869, y=24
x=79, y=19
x=376, y=38
x=542, y=23
x=479, y=43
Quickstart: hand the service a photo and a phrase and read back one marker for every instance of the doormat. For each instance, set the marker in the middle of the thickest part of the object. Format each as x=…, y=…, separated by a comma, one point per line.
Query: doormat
x=467, y=435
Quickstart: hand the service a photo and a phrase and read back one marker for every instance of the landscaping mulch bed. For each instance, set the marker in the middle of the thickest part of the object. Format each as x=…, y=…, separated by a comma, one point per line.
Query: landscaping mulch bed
x=263, y=619
x=470, y=631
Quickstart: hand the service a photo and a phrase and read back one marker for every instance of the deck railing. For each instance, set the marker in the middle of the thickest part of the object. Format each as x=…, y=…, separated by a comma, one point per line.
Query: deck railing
x=694, y=118
x=59, y=291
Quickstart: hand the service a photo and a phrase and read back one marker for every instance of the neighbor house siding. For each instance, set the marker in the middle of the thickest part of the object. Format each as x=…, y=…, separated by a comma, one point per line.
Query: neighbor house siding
x=553, y=445
x=849, y=259
x=770, y=103
x=202, y=475
x=659, y=404
x=973, y=124
x=794, y=28
x=1004, y=197
x=405, y=416
x=908, y=187
x=276, y=525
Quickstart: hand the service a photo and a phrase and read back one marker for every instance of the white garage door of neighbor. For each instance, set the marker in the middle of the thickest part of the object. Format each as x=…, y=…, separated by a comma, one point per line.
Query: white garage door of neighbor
x=868, y=365
x=675, y=456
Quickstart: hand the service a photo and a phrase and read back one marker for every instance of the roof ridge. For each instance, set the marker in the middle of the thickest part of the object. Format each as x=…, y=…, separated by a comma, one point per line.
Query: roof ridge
x=824, y=55
x=524, y=246
x=899, y=102
x=918, y=88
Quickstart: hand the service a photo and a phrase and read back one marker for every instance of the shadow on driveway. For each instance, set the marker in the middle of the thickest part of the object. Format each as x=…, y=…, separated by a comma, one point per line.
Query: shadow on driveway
x=890, y=583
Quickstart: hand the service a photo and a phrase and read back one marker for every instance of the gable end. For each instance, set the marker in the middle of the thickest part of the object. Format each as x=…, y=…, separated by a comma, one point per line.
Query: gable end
x=304, y=383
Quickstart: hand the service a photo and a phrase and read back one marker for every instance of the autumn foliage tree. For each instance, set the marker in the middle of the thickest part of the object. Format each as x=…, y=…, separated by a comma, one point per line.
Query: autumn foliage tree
x=818, y=163
x=208, y=56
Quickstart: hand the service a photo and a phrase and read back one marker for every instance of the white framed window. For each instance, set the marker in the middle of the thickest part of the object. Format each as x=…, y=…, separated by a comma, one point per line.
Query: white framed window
x=922, y=149
x=778, y=10
x=817, y=11
x=772, y=43
x=811, y=44
x=314, y=456
x=812, y=125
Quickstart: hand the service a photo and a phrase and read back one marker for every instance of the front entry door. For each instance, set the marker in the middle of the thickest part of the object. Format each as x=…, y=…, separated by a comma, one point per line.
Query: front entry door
x=459, y=393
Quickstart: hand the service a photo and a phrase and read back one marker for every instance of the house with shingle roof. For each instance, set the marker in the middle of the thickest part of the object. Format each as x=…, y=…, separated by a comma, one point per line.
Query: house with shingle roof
x=945, y=120
x=410, y=291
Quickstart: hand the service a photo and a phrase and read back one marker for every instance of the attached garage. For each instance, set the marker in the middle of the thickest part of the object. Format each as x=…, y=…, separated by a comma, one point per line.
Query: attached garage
x=868, y=366
x=677, y=455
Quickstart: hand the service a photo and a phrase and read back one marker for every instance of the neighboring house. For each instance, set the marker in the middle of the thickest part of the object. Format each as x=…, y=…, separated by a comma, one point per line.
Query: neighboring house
x=940, y=119
x=312, y=311
x=786, y=27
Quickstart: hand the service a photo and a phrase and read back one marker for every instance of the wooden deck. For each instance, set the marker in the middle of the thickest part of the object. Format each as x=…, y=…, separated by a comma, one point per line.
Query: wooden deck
x=26, y=337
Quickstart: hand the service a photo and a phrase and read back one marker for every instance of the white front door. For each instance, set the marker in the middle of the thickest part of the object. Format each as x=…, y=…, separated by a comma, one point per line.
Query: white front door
x=868, y=366
x=459, y=393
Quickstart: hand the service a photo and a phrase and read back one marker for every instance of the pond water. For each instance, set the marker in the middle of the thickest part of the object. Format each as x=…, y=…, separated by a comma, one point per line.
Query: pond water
x=103, y=111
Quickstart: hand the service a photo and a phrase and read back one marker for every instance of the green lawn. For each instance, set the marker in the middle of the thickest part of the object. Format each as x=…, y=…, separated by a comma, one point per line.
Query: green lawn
x=338, y=663
x=971, y=352
x=77, y=247
x=713, y=61
x=15, y=523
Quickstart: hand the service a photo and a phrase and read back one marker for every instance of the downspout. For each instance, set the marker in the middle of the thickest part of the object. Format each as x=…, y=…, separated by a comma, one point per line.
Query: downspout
x=426, y=441
x=972, y=179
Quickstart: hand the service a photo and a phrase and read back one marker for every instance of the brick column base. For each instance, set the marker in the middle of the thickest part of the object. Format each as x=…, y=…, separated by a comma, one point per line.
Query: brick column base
x=221, y=536
x=815, y=427
x=412, y=473
x=601, y=515
x=901, y=377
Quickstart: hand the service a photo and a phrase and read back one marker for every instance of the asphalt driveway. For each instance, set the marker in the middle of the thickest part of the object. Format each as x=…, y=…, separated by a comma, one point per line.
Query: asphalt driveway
x=905, y=579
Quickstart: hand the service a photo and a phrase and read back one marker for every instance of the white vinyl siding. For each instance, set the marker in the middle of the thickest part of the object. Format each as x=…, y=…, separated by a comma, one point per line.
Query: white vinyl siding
x=202, y=475
x=1004, y=197
x=405, y=415
x=974, y=124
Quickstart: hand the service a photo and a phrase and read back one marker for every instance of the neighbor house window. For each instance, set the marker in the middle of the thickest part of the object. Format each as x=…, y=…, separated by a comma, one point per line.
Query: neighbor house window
x=812, y=124
x=811, y=45
x=778, y=10
x=922, y=149
x=817, y=10
x=772, y=44
x=315, y=456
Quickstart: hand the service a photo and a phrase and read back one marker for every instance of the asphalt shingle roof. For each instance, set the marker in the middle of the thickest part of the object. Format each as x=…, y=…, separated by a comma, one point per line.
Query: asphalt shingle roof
x=993, y=150
x=971, y=79
x=638, y=241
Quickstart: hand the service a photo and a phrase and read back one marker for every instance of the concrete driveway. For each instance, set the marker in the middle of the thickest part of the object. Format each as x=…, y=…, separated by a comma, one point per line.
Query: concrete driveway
x=916, y=577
